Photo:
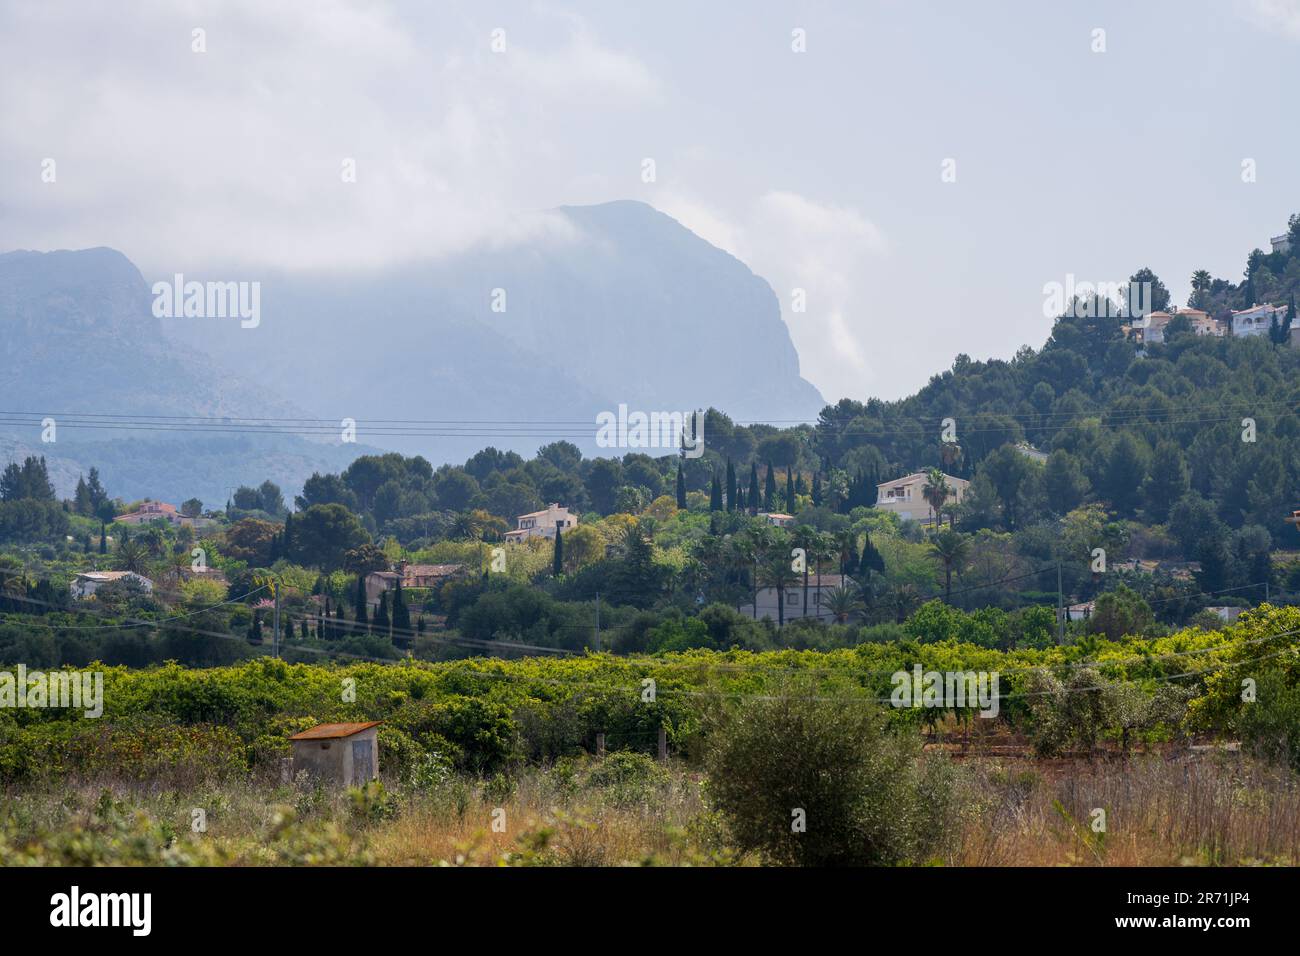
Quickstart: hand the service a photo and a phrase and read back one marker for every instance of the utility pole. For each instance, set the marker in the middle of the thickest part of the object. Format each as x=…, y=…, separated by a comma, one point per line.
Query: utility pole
x=1060, y=607
x=597, y=622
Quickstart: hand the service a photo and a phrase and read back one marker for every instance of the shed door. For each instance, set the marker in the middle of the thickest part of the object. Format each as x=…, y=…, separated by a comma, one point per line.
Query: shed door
x=362, y=761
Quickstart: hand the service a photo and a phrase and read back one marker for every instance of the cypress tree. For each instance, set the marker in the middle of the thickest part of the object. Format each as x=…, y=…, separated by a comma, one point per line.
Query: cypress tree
x=790, y=500
x=360, y=601
x=288, y=629
x=103, y=538
x=286, y=546
x=817, y=491
x=681, y=487
x=769, y=490
x=731, y=486
x=715, y=493
x=381, y=614
x=302, y=629
x=557, y=558
x=401, y=613
x=753, y=488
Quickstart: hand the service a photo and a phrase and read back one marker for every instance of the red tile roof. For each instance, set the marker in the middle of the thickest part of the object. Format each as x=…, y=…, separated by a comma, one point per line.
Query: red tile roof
x=334, y=731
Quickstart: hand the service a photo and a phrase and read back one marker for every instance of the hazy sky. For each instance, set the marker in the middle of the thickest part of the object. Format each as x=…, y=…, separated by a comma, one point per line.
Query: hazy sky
x=820, y=169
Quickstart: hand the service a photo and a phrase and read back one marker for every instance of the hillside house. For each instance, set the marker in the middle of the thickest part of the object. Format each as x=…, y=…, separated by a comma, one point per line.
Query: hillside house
x=542, y=524
x=1150, y=329
x=345, y=755
x=411, y=576
x=905, y=496
x=776, y=519
x=155, y=510
x=1281, y=243
x=818, y=585
x=1257, y=320
x=1079, y=612
x=86, y=583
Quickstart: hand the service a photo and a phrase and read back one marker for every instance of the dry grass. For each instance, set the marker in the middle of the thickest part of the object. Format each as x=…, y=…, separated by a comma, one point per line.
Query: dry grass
x=1220, y=809
x=1215, y=810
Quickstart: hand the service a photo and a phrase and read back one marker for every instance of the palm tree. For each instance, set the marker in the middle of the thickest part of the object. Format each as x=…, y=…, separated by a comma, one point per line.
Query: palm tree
x=825, y=547
x=778, y=574
x=843, y=603
x=950, y=454
x=936, y=491
x=466, y=526
x=131, y=555
x=902, y=599
x=805, y=537
x=950, y=549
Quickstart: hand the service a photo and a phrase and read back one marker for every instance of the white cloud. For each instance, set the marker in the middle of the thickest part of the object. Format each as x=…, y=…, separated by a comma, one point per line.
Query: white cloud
x=1283, y=15
x=233, y=157
x=834, y=254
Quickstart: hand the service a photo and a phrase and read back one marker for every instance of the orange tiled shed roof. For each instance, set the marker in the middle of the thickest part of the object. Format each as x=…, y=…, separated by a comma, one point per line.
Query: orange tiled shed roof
x=334, y=731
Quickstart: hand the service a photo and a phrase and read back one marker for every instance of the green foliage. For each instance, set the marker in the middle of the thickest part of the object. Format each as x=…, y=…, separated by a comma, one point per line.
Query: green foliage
x=802, y=780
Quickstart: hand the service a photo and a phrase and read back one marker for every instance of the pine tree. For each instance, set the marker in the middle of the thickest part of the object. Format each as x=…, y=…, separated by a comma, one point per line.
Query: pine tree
x=81, y=499
x=95, y=490
x=681, y=487
x=715, y=493
x=557, y=559
x=731, y=486
x=769, y=490
x=791, y=504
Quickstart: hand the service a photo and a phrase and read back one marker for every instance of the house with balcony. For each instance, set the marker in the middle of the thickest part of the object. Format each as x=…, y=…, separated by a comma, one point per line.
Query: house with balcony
x=542, y=524
x=905, y=496
x=1257, y=320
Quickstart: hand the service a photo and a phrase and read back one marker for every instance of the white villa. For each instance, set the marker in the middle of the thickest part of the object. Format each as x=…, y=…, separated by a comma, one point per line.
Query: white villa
x=1257, y=320
x=818, y=586
x=904, y=496
x=542, y=524
x=776, y=519
x=88, y=582
x=1151, y=328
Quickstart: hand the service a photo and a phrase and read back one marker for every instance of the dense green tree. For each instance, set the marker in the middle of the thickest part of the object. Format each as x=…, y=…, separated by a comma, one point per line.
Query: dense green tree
x=1166, y=483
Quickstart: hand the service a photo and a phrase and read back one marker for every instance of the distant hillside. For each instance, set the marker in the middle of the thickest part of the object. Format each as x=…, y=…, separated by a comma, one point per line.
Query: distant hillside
x=621, y=304
x=78, y=338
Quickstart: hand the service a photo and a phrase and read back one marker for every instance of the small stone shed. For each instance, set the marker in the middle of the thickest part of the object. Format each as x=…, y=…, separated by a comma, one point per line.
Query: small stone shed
x=346, y=755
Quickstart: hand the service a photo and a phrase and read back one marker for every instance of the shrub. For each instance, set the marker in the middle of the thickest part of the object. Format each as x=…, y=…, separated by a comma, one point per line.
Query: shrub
x=866, y=796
